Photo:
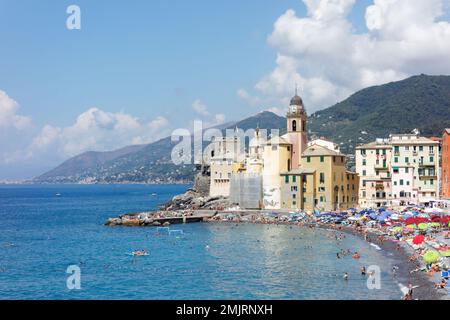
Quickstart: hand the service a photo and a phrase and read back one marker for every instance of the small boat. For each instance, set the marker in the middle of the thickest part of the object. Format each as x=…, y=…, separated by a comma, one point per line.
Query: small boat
x=154, y=194
x=58, y=194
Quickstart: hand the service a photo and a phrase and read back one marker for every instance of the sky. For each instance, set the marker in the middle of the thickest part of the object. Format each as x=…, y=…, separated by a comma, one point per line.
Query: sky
x=137, y=70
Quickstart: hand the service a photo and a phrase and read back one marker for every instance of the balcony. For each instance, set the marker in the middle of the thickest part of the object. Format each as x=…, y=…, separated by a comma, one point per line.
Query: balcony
x=428, y=177
x=427, y=164
x=381, y=167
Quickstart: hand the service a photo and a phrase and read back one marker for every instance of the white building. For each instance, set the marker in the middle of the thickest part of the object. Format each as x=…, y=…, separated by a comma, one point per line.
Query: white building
x=225, y=153
x=398, y=171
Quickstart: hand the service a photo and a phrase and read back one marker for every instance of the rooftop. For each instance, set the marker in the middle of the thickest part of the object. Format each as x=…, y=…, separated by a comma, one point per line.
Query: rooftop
x=317, y=150
x=298, y=171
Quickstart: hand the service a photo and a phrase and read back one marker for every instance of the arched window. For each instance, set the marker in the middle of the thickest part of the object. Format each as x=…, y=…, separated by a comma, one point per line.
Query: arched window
x=294, y=125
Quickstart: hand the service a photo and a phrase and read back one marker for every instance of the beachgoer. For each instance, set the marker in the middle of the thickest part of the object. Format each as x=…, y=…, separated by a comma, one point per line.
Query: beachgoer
x=363, y=271
x=410, y=290
x=356, y=255
x=442, y=284
x=346, y=276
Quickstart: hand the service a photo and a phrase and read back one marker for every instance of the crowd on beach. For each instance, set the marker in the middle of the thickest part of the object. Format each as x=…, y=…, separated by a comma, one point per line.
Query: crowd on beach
x=423, y=232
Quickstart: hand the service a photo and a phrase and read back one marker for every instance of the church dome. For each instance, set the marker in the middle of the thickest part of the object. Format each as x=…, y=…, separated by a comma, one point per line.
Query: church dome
x=296, y=101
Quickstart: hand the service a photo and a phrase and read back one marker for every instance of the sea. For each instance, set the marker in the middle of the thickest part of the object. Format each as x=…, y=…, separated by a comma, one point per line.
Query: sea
x=54, y=245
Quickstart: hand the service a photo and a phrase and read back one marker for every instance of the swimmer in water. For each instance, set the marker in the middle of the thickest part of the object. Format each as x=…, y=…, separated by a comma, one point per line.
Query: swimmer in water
x=363, y=271
x=346, y=276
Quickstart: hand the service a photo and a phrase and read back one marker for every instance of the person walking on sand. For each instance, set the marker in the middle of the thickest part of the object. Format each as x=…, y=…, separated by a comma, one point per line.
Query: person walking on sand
x=410, y=291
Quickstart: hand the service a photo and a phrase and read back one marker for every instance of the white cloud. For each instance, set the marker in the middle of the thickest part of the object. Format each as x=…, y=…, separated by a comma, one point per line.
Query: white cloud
x=329, y=60
x=27, y=147
x=200, y=108
x=98, y=130
x=8, y=114
x=209, y=120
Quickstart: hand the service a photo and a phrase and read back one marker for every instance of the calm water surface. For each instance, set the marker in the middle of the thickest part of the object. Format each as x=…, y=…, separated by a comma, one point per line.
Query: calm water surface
x=41, y=234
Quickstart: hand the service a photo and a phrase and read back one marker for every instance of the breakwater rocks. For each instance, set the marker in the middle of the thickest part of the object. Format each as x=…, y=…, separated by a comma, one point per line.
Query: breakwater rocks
x=160, y=218
x=192, y=206
x=193, y=200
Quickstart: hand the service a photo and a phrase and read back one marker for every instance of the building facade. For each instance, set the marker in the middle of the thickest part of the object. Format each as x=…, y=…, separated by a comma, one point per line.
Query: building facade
x=445, y=166
x=226, y=155
x=284, y=172
x=400, y=170
x=322, y=182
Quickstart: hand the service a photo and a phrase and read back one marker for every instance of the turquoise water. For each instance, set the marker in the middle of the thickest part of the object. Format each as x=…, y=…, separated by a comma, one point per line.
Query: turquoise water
x=42, y=234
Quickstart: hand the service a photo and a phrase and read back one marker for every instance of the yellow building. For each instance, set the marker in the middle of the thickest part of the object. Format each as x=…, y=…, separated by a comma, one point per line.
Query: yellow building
x=277, y=158
x=321, y=183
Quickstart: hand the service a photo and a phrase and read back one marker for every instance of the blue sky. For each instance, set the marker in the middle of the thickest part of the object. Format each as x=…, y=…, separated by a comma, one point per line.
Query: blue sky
x=146, y=58
x=139, y=69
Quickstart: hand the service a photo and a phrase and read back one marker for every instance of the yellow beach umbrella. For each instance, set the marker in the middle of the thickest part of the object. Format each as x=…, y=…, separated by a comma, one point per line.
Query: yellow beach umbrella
x=431, y=256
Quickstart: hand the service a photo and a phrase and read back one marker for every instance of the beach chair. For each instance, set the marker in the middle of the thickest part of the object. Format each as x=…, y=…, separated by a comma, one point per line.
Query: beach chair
x=445, y=274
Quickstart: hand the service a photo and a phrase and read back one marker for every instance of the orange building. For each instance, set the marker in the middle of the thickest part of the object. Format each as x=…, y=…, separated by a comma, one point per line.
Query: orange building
x=446, y=164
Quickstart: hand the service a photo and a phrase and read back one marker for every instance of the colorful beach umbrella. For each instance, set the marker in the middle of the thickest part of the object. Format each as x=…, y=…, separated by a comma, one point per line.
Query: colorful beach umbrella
x=418, y=239
x=445, y=253
x=411, y=226
x=423, y=226
x=431, y=256
x=435, y=224
x=395, y=229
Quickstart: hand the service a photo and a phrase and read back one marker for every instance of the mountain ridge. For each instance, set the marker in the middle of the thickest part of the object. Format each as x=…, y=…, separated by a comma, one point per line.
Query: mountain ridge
x=421, y=102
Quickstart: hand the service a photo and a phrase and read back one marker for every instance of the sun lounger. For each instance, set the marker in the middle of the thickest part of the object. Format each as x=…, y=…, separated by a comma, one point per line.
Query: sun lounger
x=445, y=274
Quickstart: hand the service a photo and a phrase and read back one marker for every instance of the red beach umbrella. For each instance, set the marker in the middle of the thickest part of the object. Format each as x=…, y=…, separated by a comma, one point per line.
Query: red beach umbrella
x=418, y=239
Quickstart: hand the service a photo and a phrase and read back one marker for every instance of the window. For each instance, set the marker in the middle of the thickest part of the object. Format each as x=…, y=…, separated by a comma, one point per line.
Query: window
x=308, y=159
x=406, y=170
x=294, y=196
x=286, y=179
x=322, y=177
x=432, y=182
x=396, y=159
x=431, y=159
x=294, y=179
x=294, y=125
x=321, y=198
x=420, y=148
x=406, y=159
x=304, y=200
x=401, y=182
x=364, y=172
x=322, y=159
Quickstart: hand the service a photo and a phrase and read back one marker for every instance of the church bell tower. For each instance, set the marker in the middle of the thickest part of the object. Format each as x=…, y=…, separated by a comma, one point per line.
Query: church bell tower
x=297, y=129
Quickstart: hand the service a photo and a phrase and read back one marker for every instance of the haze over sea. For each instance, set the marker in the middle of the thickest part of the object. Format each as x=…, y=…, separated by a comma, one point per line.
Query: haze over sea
x=41, y=234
